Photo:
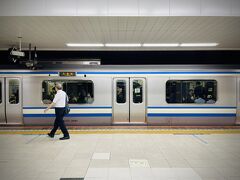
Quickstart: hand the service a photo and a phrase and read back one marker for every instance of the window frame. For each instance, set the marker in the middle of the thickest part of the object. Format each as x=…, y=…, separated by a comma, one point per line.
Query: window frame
x=64, y=80
x=191, y=80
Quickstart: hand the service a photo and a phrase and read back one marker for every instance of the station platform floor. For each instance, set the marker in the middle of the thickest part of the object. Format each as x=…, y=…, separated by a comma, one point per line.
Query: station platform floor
x=121, y=129
x=120, y=153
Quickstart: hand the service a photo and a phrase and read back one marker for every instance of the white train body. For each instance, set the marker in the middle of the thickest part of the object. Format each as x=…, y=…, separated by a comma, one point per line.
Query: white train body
x=107, y=95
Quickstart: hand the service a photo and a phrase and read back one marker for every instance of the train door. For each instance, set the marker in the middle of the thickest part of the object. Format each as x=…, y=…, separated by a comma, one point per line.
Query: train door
x=11, y=102
x=238, y=101
x=2, y=101
x=129, y=101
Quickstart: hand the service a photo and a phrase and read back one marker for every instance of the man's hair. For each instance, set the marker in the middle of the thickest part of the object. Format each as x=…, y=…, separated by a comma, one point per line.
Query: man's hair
x=58, y=86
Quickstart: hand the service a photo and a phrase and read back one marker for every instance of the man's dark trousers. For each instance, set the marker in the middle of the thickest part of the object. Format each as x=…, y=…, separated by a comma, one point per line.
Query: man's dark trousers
x=59, y=122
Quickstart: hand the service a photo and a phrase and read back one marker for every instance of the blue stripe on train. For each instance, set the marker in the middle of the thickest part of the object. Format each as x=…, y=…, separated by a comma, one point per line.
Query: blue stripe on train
x=28, y=72
x=80, y=107
x=149, y=115
x=70, y=115
x=177, y=72
x=125, y=72
x=189, y=115
x=191, y=107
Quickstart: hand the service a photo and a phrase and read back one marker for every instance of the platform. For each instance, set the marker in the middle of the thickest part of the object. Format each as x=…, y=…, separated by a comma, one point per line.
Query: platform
x=43, y=130
x=121, y=153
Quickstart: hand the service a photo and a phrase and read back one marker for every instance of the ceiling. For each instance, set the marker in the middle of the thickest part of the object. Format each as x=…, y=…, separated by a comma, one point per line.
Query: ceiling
x=52, y=33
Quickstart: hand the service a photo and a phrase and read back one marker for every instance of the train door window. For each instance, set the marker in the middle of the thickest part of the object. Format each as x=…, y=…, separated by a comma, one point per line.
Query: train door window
x=78, y=91
x=0, y=92
x=191, y=91
x=13, y=91
x=137, y=91
x=121, y=91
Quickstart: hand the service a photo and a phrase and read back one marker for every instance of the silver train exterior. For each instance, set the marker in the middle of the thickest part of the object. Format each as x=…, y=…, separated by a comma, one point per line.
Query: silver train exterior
x=149, y=85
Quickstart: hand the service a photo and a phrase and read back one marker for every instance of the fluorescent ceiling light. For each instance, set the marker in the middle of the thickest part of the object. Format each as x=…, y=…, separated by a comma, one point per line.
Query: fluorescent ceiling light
x=161, y=45
x=122, y=45
x=198, y=44
x=84, y=45
x=144, y=45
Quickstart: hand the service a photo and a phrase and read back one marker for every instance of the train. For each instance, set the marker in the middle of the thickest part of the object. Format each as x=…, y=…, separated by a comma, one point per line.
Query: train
x=165, y=95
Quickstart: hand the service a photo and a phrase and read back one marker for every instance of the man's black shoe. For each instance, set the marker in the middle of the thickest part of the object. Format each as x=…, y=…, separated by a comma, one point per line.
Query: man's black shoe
x=50, y=135
x=64, y=138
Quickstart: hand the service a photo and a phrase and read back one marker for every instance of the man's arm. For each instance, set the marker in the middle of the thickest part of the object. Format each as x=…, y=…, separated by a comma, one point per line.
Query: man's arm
x=49, y=107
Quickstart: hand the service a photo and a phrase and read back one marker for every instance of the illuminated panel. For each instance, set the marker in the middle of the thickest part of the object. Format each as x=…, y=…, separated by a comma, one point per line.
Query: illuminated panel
x=67, y=73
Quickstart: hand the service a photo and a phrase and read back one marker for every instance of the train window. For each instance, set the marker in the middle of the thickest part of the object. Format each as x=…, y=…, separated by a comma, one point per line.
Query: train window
x=121, y=91
x=191, y=91
x=13, y=91
x=0, y=92
x=78, y=91
x=137, y=91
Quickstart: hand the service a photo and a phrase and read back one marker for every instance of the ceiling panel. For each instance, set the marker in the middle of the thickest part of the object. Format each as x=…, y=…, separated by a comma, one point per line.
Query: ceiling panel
x=54, y=32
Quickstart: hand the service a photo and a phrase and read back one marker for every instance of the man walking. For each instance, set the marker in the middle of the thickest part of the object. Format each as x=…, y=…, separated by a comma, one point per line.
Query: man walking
x=59, y=102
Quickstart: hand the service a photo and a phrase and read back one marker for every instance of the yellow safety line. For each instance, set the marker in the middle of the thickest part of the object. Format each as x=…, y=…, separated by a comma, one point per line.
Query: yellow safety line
x=129, y=131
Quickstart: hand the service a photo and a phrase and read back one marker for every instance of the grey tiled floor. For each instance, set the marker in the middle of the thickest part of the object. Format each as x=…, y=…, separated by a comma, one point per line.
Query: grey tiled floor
x=107, y=157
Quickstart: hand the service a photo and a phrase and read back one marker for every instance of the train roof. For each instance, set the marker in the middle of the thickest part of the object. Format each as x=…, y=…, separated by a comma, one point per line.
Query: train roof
x=75, y=67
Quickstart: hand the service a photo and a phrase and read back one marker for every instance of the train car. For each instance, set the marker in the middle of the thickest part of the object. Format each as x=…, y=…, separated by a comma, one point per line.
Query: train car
x=117, y=94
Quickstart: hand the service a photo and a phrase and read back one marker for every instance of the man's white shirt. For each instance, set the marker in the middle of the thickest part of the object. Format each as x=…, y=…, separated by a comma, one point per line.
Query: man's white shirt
x=60, y=99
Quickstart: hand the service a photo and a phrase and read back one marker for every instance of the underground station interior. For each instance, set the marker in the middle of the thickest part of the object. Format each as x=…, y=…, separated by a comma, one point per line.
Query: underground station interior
x=120, y=90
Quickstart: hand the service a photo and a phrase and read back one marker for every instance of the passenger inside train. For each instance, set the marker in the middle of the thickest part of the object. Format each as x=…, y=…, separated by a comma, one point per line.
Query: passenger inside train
x=210, y=100
x=89, y=99
x=120, y=95
x=79, y=92
x=190, y=97
x=199, y=100
x=191, y=91
x=12, y=99
x=199, y=91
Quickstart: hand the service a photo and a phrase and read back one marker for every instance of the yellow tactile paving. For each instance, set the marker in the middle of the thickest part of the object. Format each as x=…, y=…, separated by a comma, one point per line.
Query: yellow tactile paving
x=129, y=131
